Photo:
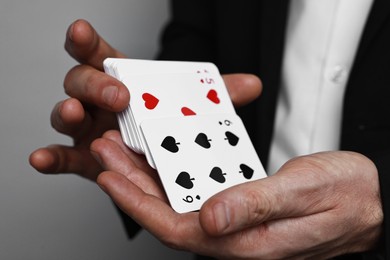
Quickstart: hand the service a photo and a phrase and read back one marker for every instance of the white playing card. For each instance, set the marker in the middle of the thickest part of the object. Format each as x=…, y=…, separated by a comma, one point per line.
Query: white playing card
x=164, y=78
x=168, y=95
x=199, y=156
x=125, y=67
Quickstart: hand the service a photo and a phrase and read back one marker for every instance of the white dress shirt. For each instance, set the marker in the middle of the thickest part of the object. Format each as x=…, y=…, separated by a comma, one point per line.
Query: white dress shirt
x=321, y=43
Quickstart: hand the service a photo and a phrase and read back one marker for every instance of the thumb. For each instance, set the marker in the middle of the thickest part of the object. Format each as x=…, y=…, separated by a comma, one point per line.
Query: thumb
x=242, y=88
x=250, y=204
x=85, y=45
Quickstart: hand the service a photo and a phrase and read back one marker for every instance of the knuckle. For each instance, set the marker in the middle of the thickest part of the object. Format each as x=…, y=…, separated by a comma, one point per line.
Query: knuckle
x=68, y=80
x=179, y=235
x=91, y=85
x=173, y=241
x=258, y=206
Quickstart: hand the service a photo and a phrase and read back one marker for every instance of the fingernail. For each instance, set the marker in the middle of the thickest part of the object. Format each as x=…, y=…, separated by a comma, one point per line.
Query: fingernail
x=110, y=95
x=103, y=187
x=96, y=156
x=70, y=31
x=221, y=217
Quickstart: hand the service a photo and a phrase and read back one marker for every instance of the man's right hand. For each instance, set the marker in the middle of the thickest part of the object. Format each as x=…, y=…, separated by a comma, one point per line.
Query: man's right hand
x=90, y=110
x=94, y=99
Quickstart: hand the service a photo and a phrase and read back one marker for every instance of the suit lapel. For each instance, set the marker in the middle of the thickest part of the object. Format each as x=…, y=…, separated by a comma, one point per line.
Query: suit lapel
x=272, y=33
x=380, y=12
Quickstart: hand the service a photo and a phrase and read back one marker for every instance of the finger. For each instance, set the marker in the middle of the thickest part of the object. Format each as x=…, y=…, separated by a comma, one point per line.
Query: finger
x=68, y=116
x=274, y=240
x=85, y=45
x=138, y=159
x=179, y=231
x=279, y=196
x=94, y=87
x=242, y=88
x=137, y=203
x=112, y=157
x=64, y=159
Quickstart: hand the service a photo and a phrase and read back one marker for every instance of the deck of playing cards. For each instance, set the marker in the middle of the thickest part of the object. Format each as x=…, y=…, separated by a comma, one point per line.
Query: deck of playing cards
x=181, y=118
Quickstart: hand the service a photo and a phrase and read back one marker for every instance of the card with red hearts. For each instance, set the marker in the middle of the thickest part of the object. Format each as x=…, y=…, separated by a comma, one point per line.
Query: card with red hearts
x=198, y=156
x=174, y=95
x=181, y=117
x=119, y=67
x=158, y=91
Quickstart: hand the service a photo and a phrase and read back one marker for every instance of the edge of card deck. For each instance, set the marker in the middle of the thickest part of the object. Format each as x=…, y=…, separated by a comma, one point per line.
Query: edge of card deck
x=123, y=66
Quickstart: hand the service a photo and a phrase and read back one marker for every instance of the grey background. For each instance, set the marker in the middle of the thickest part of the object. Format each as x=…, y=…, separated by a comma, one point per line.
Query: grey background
x=63, y=216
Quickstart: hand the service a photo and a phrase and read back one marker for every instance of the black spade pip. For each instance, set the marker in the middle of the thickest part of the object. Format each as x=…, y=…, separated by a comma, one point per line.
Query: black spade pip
x=203, y=140
x=170, y=144
x=217, y=175
x=232, y=138
x=246, y=171
x=184, y=179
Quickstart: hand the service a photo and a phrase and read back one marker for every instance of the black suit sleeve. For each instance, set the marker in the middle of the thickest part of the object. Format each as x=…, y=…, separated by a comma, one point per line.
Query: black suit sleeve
x=189, y=36
x=382, y=163
x=131, y=227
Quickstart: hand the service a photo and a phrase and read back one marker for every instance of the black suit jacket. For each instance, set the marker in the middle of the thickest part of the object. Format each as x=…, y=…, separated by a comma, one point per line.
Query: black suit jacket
x=248, y=36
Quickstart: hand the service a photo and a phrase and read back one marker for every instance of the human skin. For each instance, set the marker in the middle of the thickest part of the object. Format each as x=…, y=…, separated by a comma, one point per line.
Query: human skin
x=315, y=206
x=94, y=97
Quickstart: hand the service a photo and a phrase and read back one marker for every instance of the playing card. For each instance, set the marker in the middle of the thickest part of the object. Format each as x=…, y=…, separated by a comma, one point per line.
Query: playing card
x=124, y=67
x=172, y=87
x=175, y=95
x=181, y=117
x=169, y=95
x=199, y=156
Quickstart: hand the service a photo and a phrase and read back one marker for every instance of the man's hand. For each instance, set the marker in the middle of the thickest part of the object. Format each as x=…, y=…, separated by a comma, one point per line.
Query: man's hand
x=88, y=113
x=316, y=206
x=94, y=99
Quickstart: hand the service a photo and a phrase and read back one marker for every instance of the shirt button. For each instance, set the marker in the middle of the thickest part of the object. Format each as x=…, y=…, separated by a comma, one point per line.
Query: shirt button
x=338, y=74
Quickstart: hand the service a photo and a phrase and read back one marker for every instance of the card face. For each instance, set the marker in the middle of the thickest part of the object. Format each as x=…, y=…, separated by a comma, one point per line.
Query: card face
x=173, y=87
x=199, y=156
x=125, y=67
x=169, y=95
